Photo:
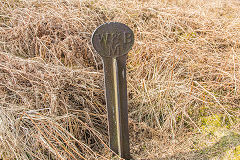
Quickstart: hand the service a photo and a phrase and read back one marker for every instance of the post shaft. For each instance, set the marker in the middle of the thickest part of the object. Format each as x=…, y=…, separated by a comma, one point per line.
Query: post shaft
x=117, y=105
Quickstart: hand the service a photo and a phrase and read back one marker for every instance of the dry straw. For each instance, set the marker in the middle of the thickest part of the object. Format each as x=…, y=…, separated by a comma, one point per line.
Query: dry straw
x=184, y=65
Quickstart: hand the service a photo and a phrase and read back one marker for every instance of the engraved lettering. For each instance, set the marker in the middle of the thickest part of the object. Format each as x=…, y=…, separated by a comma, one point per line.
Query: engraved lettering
x=127, y=37
x=112, y=39
x=104, y=38
x=112, y=42
x=115, y=36
x=114, y=50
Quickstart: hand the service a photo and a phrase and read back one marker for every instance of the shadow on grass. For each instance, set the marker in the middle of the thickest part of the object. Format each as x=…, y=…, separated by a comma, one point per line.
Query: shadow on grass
x=217, y=150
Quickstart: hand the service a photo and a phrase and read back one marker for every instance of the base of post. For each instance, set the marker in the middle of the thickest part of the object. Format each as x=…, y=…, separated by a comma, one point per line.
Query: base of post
x=114, y=157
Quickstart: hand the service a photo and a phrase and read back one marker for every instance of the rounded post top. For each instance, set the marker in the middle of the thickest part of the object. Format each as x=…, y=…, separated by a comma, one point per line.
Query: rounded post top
x=112, y=39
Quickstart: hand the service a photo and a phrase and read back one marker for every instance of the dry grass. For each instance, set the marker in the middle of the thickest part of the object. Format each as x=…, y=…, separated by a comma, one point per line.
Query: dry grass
x=184, y=66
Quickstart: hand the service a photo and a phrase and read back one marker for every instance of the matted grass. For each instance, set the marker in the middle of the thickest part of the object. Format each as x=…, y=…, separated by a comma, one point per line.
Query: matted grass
x=184, y=66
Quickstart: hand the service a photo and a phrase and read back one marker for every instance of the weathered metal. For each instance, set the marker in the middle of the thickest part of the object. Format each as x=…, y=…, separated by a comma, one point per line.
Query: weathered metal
x=113, y=41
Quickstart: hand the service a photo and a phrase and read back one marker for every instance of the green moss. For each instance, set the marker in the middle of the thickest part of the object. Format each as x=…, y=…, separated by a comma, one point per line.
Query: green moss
x=211, y=124
x=217, y=121
x=233, y=154
x=216, y=131
x=237, y=152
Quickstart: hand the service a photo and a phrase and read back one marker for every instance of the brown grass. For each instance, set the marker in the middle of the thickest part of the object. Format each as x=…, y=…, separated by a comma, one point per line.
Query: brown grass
x=184, y=66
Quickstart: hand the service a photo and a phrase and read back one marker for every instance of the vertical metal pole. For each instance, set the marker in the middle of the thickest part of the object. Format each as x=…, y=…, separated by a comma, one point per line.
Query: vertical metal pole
x=112, y=41
x=117, y=105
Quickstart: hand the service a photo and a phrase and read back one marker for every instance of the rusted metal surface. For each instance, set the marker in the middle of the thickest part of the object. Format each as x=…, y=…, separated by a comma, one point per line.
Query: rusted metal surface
x=112, y=41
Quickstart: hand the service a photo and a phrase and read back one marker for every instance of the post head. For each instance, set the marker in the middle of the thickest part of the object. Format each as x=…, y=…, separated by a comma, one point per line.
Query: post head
x=112, y=39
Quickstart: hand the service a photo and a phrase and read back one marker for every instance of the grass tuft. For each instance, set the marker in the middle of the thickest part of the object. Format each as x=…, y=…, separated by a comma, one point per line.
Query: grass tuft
x=184, y=67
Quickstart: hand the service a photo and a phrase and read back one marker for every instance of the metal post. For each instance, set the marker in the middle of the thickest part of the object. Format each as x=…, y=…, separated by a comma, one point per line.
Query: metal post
x=112, y=41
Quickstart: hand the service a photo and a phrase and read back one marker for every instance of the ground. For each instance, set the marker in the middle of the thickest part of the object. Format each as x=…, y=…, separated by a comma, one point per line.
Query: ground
x=182, y=76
